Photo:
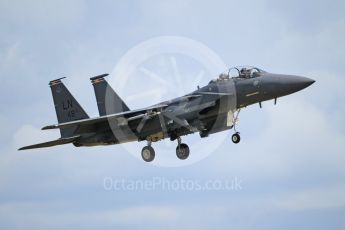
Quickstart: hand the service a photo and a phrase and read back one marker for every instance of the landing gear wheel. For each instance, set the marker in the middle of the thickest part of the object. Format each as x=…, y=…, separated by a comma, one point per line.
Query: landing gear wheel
x=148, y=153
x=236, y=138
x=182, y=151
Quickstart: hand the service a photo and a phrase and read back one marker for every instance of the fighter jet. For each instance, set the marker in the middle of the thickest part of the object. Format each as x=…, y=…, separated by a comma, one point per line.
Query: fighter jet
x=207, y=110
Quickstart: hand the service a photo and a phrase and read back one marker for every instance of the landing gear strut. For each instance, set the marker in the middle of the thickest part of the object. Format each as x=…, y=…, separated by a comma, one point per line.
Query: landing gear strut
x=148, y=153
x=182, y=150
x=236, y=138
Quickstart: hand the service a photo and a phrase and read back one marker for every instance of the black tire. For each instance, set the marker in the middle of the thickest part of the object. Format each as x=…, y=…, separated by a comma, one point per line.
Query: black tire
x=203, y=134
x=182, y=151
x=148, y=153
x=236, y=138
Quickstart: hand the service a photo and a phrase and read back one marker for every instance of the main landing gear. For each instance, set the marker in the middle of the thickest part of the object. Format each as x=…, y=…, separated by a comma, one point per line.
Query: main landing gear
x=182, y=151
x=148, y=153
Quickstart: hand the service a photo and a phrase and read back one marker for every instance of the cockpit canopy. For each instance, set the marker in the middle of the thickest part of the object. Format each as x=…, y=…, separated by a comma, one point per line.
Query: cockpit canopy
x=239, y=72
x=245, y=72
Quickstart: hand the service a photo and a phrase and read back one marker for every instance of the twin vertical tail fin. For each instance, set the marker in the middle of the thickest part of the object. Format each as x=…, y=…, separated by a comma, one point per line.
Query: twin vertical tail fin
x=108, y=101
x=66, y=106
x=68, y=109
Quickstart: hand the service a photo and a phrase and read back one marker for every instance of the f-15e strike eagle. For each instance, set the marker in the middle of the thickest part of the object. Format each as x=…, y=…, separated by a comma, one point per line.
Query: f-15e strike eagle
x=209, y=109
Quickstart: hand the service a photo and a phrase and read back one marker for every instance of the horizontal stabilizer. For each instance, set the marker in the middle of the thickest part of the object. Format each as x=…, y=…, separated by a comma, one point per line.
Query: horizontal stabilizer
x=60, y=141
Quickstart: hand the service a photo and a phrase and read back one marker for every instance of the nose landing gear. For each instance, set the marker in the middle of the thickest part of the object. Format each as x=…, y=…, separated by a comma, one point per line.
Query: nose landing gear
x=236, y=138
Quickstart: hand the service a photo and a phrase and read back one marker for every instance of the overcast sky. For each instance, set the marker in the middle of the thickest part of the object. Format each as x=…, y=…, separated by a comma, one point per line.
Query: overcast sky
x=290, y=162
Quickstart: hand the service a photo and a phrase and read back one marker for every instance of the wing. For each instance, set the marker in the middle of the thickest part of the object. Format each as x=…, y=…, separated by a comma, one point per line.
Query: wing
x=124, y=117
x=139, y=117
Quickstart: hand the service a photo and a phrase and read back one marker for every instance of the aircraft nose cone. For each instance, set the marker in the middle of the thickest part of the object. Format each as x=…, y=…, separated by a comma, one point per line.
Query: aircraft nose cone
x=309, y=82
x=291, y=84
x=296, y=83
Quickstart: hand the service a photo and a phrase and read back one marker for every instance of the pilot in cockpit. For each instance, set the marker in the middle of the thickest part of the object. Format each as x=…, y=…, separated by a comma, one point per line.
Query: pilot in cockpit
x=223, y=76
x=245, y=73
